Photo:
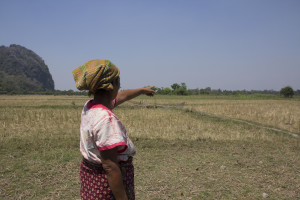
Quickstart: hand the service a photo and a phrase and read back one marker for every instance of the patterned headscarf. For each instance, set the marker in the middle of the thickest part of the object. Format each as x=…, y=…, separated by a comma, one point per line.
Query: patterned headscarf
x=95, y=75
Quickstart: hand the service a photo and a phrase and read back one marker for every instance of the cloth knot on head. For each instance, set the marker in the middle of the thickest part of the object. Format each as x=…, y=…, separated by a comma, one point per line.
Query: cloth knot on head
x=95, y=74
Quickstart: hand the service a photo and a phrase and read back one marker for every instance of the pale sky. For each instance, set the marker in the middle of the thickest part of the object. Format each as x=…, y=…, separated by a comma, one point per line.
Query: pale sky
x=226, y=44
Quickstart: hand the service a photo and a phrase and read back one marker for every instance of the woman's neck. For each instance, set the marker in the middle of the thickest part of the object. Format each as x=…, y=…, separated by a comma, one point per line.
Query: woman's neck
x=104, y=99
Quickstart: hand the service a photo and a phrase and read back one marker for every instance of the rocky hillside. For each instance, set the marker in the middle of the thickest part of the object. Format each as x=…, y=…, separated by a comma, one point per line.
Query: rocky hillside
x=23, y=70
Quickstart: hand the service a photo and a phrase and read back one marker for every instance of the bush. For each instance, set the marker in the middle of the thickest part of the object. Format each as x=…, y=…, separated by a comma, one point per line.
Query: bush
x=287, y=92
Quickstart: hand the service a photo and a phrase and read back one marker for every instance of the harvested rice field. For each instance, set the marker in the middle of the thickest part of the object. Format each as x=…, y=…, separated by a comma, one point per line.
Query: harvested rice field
x=187, y=147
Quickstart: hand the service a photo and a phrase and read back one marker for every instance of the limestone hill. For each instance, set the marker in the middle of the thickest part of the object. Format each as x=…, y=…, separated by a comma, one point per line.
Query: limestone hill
x=23, y=70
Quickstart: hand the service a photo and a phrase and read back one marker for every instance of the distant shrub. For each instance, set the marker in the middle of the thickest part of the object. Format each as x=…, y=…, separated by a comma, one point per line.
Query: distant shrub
x=287, y=92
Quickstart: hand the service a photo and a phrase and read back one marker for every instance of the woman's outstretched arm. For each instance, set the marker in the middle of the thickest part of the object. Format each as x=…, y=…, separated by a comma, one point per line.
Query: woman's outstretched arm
x=126, y=95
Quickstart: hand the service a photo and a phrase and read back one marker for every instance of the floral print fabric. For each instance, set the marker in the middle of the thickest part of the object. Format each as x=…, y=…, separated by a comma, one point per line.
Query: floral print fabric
x=94, y=184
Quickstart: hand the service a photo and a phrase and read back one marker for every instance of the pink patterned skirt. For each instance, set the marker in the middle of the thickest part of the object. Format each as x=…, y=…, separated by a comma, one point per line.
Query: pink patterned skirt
x=94, y=184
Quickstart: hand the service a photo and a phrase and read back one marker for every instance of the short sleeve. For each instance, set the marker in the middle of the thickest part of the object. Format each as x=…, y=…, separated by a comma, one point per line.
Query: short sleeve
x=110, y=133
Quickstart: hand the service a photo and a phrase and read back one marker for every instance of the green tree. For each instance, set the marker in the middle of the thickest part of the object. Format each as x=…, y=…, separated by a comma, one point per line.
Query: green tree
x=175, y=86
x=287, y=92
x=183, y=86
x=207, y=90
x=179, y=89
x=167, y=90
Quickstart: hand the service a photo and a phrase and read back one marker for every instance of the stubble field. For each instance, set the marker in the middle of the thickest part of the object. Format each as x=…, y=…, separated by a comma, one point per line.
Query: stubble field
x=187, y=147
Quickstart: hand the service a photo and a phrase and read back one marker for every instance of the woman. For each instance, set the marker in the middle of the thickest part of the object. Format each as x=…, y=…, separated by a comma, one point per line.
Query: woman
x=106, y=170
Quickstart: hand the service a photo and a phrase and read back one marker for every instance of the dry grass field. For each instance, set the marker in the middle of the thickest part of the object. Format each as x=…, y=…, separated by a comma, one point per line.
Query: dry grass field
x=184, y=150
x=283, y=114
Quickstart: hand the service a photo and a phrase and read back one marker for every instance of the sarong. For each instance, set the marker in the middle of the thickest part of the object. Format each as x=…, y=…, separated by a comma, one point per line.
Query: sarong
x=94, y=183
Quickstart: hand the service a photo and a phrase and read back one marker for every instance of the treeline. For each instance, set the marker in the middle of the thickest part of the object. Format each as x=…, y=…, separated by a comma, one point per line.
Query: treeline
x=181, y=89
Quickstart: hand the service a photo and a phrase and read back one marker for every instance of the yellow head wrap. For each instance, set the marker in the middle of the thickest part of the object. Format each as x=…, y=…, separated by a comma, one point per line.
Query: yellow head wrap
x=95, y=75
